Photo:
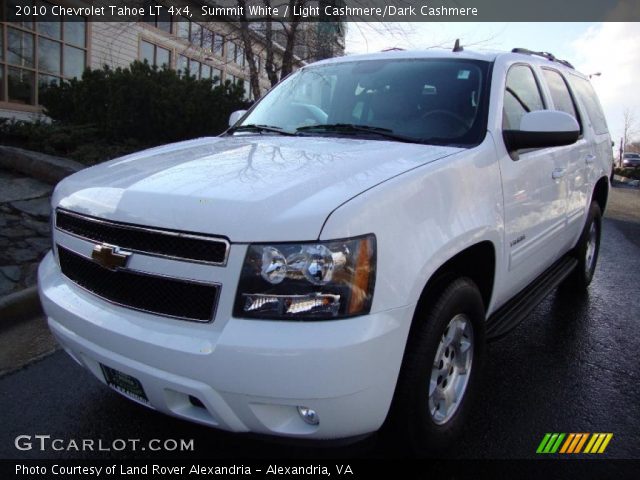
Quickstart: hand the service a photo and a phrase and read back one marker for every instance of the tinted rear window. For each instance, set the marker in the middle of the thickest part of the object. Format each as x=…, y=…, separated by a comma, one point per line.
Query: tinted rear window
x=587, y=95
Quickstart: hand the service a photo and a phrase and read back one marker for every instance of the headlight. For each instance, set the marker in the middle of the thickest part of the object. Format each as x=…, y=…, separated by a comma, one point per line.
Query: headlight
x=52, y=227
x=322, y=280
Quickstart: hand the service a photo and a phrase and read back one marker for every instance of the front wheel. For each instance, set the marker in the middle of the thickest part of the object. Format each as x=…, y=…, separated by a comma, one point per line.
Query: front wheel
x=440, y=371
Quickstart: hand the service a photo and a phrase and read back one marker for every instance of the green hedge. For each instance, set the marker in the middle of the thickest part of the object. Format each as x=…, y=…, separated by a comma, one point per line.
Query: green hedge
x=633, y=173
x=143, y=103
x=82, y=143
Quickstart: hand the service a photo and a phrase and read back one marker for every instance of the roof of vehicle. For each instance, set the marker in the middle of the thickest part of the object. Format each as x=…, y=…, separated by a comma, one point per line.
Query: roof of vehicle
x=540, y=58
x=488, y=56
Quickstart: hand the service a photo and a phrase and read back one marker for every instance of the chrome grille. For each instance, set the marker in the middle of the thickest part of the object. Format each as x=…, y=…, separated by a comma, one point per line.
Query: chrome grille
x=193, y=247
x=150, y=293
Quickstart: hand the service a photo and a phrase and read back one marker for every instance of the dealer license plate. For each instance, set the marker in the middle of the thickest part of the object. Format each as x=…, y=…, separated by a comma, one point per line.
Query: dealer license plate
x=123, y=383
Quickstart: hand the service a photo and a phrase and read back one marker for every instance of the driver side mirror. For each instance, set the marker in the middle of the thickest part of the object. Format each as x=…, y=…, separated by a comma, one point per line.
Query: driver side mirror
x=541, y=129
x=235, y=116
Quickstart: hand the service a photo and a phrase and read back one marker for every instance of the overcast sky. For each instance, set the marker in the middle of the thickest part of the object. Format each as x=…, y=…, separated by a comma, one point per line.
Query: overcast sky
x=613, y=49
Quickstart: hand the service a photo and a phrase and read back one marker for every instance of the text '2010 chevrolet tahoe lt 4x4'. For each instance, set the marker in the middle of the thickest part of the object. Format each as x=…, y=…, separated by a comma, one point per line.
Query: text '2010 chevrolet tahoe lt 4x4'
x=338, y=258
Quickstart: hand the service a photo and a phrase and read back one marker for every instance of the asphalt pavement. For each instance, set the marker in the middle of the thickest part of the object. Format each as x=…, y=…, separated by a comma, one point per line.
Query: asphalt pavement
x=572, y=366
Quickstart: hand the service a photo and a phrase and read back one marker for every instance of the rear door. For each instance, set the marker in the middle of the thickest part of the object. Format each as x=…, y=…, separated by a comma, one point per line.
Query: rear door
x=602, y=161
x=577, y=156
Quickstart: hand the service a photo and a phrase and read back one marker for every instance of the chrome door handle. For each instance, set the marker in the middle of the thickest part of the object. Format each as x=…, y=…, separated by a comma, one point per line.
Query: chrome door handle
x=558, y=173
x=590, y=158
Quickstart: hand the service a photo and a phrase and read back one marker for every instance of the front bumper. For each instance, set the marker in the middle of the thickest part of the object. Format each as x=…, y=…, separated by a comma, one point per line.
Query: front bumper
x=250, y=375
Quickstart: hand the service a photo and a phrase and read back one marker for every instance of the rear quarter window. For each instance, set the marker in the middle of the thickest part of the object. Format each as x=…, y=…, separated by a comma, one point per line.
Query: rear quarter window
x=560, y=94
x=589, y=99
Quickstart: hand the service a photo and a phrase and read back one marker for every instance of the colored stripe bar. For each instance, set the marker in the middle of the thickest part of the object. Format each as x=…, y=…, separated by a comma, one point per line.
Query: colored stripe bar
x=573, y=443
x=567, y=442
x=576, y=440
x=605, y=443
x=543, y=443
x=593, y=439
x=596, y=446
x=555, y=447
x=581, y=443
x=550, y=443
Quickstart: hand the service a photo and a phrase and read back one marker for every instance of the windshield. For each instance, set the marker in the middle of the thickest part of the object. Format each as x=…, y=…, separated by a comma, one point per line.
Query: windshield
x=634, y=156
x=438, y=101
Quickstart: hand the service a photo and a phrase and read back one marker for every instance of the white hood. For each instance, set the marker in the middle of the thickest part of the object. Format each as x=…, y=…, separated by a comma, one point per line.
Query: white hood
x=248, y=188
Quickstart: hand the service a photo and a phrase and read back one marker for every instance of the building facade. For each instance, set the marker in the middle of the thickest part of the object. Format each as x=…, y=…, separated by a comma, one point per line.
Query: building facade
x=54, y=49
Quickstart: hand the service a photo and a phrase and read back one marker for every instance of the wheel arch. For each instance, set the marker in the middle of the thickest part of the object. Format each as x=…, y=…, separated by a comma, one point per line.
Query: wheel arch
x=477, y=262
x=600, y=193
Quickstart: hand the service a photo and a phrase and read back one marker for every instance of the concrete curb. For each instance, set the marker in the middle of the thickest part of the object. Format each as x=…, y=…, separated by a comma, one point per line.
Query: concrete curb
x=46, y=168
x=25, y=304
x=626, y=181
x=19, y=306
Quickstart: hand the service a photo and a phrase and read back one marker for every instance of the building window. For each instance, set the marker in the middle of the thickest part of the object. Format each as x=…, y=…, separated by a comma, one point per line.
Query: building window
x=162, y=21
x=21, y=86
x=197, y=69
x=194, y=68
x=182, y=29
x=209, y=72
x=240, y=57
x=74, y=61
x=218, y=45
x=242, y=83
x=34, y=55
x=194, y=33
x=183, y=64
x=209, y=39
x=216, y=76
x=75, y=32
x=20, y=47
x=205, y=71
x=235, y=54
x=231, y=52
x=154, y=54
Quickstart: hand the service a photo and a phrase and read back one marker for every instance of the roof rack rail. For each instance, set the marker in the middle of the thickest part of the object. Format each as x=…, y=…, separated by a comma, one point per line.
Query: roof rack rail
x=549, y=56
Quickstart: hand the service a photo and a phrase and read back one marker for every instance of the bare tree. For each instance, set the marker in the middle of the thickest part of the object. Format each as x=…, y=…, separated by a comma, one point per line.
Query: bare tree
x=281, y=38
x=254, y=74
x=630, y=126
x=629, y=131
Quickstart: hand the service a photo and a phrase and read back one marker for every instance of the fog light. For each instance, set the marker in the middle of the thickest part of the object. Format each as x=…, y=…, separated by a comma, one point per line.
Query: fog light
x=309, y=416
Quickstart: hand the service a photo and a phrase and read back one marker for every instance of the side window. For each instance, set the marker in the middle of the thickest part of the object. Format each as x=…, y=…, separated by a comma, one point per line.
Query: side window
x=521, y=95
x=560, y=93
x=587, y=95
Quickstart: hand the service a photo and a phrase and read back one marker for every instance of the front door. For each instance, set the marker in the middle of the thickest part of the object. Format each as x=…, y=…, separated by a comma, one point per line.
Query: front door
x=534, y=188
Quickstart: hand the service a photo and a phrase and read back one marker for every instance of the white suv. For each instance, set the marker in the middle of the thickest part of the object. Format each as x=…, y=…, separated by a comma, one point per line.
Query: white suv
x=339, y=257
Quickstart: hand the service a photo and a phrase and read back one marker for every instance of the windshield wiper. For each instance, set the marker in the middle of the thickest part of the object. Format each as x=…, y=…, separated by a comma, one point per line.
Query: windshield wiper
x=259, y=128
x=348, y=128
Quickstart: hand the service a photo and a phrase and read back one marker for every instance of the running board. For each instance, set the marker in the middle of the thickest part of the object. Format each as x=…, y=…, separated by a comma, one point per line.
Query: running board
x=509, y=316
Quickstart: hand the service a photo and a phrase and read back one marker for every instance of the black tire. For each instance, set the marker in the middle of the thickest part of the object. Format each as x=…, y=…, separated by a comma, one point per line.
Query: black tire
x=582, y=276
x=411, y=418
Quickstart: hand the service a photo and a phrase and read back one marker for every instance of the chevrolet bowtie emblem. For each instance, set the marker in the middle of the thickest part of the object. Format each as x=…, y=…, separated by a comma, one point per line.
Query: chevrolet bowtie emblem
x=110, y=256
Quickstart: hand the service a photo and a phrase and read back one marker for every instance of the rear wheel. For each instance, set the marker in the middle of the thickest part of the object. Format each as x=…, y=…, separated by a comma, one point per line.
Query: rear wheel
x=586, y=251
x=441, y=368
